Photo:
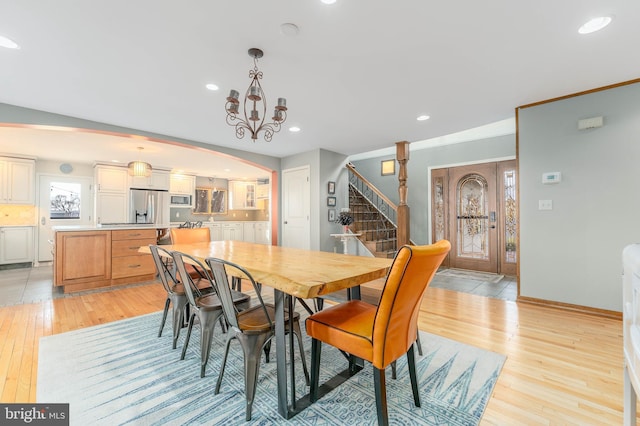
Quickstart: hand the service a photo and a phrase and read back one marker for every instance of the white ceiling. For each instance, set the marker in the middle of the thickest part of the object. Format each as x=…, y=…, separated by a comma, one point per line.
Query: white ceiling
x=355, y=77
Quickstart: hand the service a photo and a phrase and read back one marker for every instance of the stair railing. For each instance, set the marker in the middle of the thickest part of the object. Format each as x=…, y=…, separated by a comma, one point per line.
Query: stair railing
x=377, y=199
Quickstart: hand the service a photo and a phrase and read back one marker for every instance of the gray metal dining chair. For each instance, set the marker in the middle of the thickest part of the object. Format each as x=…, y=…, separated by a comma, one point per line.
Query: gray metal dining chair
x=207, y=308
x=176, y=297
x=253, y=328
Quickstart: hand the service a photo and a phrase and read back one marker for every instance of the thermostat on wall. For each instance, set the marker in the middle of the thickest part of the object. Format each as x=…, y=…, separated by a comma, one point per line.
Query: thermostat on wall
x=551, y=177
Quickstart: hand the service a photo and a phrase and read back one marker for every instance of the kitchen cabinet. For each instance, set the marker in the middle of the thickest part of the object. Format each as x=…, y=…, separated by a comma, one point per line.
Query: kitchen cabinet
x=232, y=231
x=126, y=262
x=262, y=191
x=17, y=181
x=90, y=259
x=159, y=180
x=242, y=195
x=215, y=231
x=263, y=233
x=111, y=207
x=112, y=194
x=111, y=179
x=16, y=244
x=82, y=260
x=256, y=232
x=249, y=232
x=182, y=184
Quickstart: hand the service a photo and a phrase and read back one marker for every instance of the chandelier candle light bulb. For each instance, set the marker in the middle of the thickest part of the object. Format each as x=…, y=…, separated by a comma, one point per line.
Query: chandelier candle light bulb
x=254, y=101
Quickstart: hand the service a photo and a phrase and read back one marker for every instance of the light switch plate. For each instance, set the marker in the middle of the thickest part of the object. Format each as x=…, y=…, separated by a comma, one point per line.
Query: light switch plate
x=545, y=205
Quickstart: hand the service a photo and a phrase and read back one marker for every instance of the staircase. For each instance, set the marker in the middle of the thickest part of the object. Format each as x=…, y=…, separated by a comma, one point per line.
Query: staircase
x=378, y=233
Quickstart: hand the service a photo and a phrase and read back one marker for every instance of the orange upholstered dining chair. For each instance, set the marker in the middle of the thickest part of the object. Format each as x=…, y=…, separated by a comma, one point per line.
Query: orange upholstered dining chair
x=189, y=235
x=380, y=334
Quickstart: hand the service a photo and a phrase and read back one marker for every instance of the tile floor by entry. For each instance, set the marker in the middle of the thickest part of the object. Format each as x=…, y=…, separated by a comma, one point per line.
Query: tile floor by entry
x=35, y=284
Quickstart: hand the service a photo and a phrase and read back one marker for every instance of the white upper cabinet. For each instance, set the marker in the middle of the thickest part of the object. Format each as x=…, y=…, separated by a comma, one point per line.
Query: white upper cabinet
x=159, y=180
x=111, y=179
x=242, y=195
x=182, y=184
x=262, y=191
x=17, y=181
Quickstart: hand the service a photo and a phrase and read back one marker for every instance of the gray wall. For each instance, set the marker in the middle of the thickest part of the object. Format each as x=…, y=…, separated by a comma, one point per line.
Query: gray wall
x=572, y=253
x=324, y=166
x=418, y=181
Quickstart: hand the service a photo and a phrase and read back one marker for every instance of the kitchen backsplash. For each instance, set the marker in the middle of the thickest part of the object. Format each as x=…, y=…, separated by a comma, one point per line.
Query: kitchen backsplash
x=15, y=214
x=183, y=215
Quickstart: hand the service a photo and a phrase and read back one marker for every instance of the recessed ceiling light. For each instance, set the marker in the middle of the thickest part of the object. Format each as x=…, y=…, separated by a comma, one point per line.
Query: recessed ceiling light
x=422, y=117
x=595, y=24
x=212, y=86
x=328, y=1
x=294, y=129
x=8, y=43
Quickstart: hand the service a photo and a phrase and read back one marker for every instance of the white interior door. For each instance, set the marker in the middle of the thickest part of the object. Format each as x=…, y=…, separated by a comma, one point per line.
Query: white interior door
x=296, y=200
x=62, y=200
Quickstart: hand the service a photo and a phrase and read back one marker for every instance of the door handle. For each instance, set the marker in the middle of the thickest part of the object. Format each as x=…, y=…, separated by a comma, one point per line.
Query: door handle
x=285, y=222
x=43, y=220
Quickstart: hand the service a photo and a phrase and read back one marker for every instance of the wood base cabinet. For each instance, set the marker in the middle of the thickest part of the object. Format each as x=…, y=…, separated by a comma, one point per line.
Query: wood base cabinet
x=126, y=261
x=82, y=260
x=91, y=259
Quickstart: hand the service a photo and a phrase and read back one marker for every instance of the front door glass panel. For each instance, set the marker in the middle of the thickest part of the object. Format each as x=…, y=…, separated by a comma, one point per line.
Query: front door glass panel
x=472, y=217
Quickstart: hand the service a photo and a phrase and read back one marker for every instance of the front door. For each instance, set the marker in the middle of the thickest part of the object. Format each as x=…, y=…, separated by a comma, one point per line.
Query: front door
x=63, y=200
x=474, y=207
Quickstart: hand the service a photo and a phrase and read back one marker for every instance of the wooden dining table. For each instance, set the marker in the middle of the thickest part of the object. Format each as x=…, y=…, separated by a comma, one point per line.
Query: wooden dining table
x=292, y=273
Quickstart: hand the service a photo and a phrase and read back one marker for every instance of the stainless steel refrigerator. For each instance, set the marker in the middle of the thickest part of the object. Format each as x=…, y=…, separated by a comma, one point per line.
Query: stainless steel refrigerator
x=149, y=206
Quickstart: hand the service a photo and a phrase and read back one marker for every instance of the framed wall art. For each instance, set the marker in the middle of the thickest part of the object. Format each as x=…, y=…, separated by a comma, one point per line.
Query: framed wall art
x=331, y=187
x=331, y=201
x=388, y=167
x=332, y=215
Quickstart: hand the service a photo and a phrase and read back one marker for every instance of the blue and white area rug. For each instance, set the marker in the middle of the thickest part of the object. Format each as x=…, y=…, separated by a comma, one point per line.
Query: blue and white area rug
x=122, y=373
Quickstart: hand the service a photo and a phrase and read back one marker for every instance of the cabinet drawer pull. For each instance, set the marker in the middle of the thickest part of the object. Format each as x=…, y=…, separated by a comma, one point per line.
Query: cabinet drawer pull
x=135, y=235
x=134, y=247
x=135, y=266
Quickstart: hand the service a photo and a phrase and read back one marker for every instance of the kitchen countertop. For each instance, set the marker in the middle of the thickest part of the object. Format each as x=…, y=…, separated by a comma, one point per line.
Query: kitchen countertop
x=71, y=228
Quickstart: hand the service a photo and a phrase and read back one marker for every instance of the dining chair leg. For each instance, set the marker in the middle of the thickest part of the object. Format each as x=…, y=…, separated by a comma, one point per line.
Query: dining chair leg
x=252, y=347
x=164, y=316
x=179, y=304
x=298, y=333
x=186, y=341
x=316, y=348
x=208, y=321
x=381, y=396
x=394, y=370
x=411, y=363
x=267, y=350
x=419, y=343
x=224, y=364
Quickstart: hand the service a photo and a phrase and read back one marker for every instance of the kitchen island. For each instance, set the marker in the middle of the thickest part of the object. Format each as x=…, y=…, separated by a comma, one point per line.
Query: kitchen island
x=87, y=257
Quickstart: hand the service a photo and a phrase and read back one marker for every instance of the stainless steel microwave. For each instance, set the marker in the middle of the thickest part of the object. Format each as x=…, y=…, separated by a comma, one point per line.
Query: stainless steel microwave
x=181, y=200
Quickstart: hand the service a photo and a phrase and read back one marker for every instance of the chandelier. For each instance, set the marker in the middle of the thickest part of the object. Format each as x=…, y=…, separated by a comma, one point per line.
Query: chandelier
x=254, y=107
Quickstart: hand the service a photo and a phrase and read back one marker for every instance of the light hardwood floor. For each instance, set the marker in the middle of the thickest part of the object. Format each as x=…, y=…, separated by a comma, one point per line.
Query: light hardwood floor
x=562, y=367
